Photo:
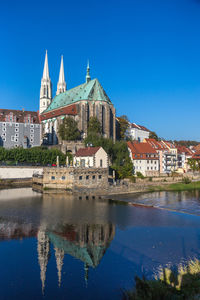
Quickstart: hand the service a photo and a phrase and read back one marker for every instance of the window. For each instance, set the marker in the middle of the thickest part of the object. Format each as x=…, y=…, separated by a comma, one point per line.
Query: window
x=100, y=176
x=155, y=168
x=93, y=177
x=4, y=124
x=31, y=126
x=151, y=168
x=80, y=177
x=151, y=161
x=16, y=145
x=155, y=162
x=16, y=139
x=53, y=177
x=4, y=134
x=31, y=135
x=63, y=177
x=101, y=163
x=147, y=168
x=148, y=161
x=31, y=130
x=4, y=139
x=31, y=140
x=17, y=125
x=3, y=129
x=16, y=134
x=87, y=177
x=16, y=129
x=12, y=138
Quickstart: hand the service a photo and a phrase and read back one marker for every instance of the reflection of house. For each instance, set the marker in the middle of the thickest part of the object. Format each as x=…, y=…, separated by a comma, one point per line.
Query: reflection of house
x=91, y=157
x=137, y=132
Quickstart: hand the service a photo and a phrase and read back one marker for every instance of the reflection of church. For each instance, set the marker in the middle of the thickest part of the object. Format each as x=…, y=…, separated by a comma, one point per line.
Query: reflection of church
x=85, y=242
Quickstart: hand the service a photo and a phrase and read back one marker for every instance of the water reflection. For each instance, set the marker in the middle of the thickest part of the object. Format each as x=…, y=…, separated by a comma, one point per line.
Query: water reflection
x=85, y=242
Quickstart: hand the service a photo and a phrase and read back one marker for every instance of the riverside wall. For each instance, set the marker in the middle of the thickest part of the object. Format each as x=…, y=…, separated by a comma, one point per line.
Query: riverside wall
x=19, y=172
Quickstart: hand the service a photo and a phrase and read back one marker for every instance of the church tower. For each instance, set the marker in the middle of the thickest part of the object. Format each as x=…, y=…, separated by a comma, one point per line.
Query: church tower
x=45, y=90
x=61, y=86
x=43, y=255
x=59, y=254
x=88, y=78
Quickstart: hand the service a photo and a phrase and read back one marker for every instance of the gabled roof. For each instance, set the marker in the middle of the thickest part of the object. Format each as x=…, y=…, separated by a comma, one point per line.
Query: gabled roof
x=196, y=155
x=89, y=151
x=197, y=148
x=142, y=149
x=91, y=91
x=184, y=149
x=19, y=116
x=140, y=127
x=158, y=145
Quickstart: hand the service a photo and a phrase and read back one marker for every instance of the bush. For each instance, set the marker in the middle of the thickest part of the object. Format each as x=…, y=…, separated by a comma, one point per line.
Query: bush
x=177, y=283
x=150, y=179
x=140, y=175
x=186, y=180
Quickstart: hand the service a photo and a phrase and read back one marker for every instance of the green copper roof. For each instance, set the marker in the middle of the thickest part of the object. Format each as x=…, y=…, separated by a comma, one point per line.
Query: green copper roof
x=91, y=91
x=89, y=254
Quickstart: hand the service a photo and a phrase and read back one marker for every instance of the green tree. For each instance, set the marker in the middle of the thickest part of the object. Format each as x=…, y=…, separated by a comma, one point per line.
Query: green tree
x=94, y=126
x=194, y=164
x=153, y=135
x=68, y=130
x=123, y=123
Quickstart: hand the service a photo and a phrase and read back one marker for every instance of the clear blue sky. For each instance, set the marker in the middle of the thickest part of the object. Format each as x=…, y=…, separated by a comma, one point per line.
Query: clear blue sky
x=145, y=53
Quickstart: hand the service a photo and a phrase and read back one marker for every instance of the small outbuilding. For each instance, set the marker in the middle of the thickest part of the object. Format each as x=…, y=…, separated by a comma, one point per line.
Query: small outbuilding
x=94, y=157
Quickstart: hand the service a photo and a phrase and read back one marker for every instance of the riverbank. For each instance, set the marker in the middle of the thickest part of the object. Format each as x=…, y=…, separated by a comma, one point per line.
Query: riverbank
x=15, y=183
x=175, y=187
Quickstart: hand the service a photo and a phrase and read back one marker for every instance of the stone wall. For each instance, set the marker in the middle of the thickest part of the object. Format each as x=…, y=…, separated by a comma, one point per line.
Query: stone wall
x=19, y=172
x=72, y=178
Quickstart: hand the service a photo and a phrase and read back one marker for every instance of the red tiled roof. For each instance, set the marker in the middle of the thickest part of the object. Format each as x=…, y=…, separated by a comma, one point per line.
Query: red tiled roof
x=197, y=148
x=19, y=116
x=196, y=155
x=140, y=127
x=89, y=151
x=142, y=150
x=68, y=110
x=158, y=145
x=184, y=149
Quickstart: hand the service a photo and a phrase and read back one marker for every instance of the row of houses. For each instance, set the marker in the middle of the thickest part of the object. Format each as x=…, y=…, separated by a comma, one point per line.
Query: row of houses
x=152, y=157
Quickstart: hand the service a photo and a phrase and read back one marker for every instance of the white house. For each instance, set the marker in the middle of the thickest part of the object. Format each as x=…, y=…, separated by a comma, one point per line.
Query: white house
x=137, y=132
x=94, y=157
x=144, y=158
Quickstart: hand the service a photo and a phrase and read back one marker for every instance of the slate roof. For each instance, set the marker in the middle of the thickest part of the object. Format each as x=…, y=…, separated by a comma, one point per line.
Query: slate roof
x=19, y=116
x=91, y=91
x=90, y=151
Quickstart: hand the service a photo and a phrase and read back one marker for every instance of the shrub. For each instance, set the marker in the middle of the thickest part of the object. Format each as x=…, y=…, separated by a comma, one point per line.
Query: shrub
x=150, y=179
x=186, y=180
x=140, y=175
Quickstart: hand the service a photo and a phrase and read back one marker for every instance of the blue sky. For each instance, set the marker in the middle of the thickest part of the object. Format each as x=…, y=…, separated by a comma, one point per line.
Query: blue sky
x=145, y=53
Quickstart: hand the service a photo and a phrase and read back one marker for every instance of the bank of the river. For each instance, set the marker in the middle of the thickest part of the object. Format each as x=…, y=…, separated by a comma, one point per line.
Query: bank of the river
x=15, y=183
x=179, y=186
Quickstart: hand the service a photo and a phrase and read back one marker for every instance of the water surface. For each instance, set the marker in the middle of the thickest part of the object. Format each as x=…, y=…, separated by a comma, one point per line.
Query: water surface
x=64, y=247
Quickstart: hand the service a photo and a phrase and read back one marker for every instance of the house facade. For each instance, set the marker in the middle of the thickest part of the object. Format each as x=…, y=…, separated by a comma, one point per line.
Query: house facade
x=19, y=128
x=145, y=158
x=137, y=132
x=167, y=155
x=91, y=157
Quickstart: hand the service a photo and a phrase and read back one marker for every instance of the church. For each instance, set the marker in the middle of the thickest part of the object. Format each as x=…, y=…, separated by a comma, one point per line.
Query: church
x=81, y=103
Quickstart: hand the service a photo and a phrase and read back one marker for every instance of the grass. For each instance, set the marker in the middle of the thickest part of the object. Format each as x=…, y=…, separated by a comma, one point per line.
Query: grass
x=176, y=187
x=182, y=282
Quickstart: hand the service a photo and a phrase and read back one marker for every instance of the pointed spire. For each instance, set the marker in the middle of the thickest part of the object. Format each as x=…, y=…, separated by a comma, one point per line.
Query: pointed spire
x=88, y=78
x=59, y=254
x=46, y=67
x=61, y=86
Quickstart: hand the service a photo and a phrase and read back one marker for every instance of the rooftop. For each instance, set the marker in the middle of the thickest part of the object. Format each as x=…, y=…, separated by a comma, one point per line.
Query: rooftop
x=89, y=151
x=91, y=91
x=19, y=116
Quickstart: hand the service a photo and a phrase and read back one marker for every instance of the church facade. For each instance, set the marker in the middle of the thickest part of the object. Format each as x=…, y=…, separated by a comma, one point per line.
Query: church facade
x=81, y=103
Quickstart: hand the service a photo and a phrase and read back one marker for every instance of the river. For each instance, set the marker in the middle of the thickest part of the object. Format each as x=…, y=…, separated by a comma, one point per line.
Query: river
x=65, y=247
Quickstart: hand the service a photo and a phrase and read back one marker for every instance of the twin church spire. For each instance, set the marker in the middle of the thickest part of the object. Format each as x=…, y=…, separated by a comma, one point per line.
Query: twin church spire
x=46, y=86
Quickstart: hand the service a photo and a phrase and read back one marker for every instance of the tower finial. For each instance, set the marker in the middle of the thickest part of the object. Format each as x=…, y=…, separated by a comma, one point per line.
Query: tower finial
x=61, y=86
x=88, y=78
x=46, y=67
